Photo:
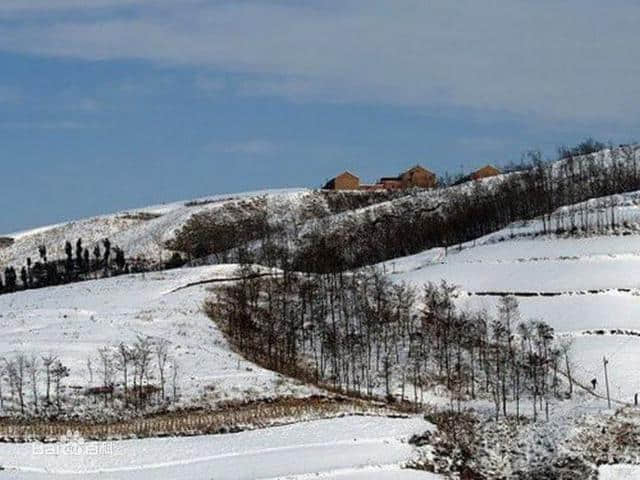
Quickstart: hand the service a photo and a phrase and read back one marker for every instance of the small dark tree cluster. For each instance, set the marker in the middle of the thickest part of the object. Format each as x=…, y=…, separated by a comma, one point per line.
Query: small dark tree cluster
x=587, y=146
x=205, y=234
x=77, y=265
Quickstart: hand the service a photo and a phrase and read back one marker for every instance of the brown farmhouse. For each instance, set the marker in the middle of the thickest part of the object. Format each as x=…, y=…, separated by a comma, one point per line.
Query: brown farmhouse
x=344, y=181
x=484, y=172
x=418, y=177
x=414, y=177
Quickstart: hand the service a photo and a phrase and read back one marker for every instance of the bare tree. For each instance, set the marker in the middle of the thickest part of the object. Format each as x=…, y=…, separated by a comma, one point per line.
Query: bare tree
x=2, y=374
x=16, y=371
x=90, y=371
x=59, y=373
x=141, y=358
x=125, y=355
x=174, y=378
x=106, y=361
x=162, y=353
x=157, y=237
x=10, y=368
x=33, y=367
x=565, y=348
x=48, y=361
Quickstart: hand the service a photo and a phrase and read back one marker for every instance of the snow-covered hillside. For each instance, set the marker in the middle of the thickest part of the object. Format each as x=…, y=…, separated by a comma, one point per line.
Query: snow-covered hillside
x=587, y=286
x=74, y=321
x=140, y=232
x=584, y=281
x=143, y=232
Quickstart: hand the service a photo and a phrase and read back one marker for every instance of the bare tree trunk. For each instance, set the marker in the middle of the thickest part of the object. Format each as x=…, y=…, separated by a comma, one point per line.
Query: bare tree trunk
x=162, y=353
x=33, y=374
x=566, y=359
x=175, y=381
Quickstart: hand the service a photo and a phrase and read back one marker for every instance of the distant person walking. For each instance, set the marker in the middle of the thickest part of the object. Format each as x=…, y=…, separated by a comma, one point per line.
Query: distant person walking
x=594, y=382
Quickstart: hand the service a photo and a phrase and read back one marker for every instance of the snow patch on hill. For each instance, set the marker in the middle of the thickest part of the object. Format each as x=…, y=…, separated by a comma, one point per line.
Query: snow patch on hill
x=73, y=321
x=595, y=281
x=140, y=232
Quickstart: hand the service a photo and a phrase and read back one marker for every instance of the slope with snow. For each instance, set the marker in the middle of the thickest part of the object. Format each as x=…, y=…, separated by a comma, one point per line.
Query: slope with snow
x=343, y=448
x=140, y=232
x=594, y=280
x=143, y=232
x=74, y=321
x=619, y=472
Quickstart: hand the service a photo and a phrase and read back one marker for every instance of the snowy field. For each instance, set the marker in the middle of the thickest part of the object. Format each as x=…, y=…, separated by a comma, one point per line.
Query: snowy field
x=571, y=313
x=619, y=472
x=73, y=321
x=350, y=448
x=553, y=264
x=536, y=275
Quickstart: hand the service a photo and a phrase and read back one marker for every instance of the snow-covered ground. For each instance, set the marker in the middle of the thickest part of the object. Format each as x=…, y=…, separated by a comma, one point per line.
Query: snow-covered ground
x=343, y=448
x=73, y=321
x=577, y=267
x=141, y=232
x=619, y=472
x=555, y=275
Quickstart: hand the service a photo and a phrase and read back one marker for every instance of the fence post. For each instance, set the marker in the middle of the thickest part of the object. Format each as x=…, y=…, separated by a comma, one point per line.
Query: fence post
x=606, y=380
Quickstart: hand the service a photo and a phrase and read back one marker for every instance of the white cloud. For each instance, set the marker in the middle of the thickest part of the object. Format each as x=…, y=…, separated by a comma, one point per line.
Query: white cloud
x=575, y=59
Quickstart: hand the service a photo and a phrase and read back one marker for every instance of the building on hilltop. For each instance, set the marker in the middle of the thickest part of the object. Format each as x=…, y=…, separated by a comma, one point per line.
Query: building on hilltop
x=345, y=181
x=415, y=177
x=484, y=172
x=390, y=183
x=418, y=177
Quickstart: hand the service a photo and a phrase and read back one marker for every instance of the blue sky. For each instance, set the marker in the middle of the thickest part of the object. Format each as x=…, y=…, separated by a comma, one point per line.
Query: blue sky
x=113, y=104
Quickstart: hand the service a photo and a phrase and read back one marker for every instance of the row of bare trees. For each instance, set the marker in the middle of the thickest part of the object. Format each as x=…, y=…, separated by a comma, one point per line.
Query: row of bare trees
x=129, y=376
x=136, y=375
x=359, y=332
x=33, y=384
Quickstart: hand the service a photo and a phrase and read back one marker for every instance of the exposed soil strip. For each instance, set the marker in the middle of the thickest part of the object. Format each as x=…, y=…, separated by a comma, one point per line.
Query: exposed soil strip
x=232, y=418
x=550, y=294
x=222, y=280
x=612, y=331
